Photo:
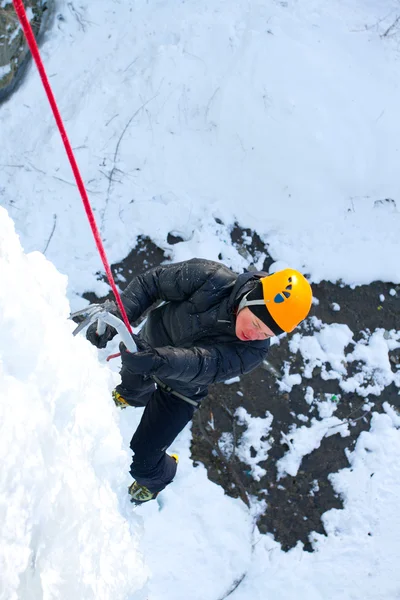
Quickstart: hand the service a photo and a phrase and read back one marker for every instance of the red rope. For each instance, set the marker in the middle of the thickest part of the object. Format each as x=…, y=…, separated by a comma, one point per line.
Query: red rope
x=30, y=38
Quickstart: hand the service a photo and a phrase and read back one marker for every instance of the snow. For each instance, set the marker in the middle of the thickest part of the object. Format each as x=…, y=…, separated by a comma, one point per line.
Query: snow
x=232, y=380
x=288, y=380
x=329, y=345
x=373, y=352
x=29, y=13
x=305, y=439
x=4, y=70
x=282, y=116
x=68, y=529
x=65, y=531
x=355, y=560
x=255, y=443
x=326, y=346
x=280, y=133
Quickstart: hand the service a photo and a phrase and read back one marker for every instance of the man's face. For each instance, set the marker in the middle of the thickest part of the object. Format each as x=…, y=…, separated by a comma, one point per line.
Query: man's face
x=249, y=327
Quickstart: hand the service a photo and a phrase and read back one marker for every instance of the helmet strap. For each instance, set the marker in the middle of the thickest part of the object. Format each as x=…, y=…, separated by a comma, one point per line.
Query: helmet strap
x=244, y=302
x=266, y=318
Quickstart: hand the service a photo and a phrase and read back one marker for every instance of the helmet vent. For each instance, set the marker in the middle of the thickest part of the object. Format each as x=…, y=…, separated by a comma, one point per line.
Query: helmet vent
x=279, y=298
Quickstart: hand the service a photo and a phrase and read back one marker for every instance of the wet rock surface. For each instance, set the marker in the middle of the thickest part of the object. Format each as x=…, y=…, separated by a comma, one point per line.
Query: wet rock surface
x=14, y=53
x=293, y=504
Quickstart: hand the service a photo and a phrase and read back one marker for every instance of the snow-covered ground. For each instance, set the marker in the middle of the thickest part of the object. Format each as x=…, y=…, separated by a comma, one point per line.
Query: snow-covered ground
x=280, y=115
x=68, y=530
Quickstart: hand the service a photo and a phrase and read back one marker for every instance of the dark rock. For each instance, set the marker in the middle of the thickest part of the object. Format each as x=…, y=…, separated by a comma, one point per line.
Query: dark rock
x=14, y=51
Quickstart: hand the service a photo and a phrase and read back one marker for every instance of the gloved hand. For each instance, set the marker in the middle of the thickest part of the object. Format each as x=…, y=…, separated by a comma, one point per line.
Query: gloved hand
x=101, y=341
x=145, y=361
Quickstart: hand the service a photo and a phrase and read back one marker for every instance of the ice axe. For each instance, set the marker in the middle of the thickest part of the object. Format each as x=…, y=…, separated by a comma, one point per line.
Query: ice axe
x=101, y=313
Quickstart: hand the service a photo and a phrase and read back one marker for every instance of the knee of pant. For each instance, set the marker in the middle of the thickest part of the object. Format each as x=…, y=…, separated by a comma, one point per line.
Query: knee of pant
x=143, y=450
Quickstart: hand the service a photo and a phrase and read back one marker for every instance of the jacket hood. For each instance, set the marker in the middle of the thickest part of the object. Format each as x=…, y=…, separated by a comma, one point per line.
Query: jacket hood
x=244, y=283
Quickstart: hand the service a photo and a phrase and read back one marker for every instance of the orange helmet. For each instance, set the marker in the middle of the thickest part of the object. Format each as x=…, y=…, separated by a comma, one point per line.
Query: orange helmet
x=287, y=296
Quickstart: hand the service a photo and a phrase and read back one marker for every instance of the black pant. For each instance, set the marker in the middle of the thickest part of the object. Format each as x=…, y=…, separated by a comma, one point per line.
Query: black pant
x=163, y=419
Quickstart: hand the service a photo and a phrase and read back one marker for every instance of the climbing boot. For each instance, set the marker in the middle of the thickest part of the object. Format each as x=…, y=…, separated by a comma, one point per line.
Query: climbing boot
x=120, y=402
x=140, y=493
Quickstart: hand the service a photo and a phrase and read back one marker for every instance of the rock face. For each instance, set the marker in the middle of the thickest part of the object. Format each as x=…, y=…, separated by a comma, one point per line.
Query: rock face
x=14, y=53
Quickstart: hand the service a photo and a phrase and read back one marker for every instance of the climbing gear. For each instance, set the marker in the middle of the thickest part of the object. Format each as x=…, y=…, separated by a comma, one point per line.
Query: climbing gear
x=140, y=493
x=171, y=391
x=120, y=402
x=101, y=314
x=100, y=340
x=287, y=295
x=30, y=38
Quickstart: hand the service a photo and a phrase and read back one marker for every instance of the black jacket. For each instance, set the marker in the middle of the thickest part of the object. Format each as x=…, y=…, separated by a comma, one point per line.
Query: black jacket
x=194, y=330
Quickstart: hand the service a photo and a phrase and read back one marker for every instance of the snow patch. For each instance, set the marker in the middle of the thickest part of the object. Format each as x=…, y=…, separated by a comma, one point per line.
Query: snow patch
x=254, y=443
x=63, y=481
x=5, y=70
x=303, y=440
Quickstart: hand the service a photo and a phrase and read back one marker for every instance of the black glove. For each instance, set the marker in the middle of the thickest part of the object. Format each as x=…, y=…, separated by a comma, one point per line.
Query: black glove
x=101, y=341
x=145, y=361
